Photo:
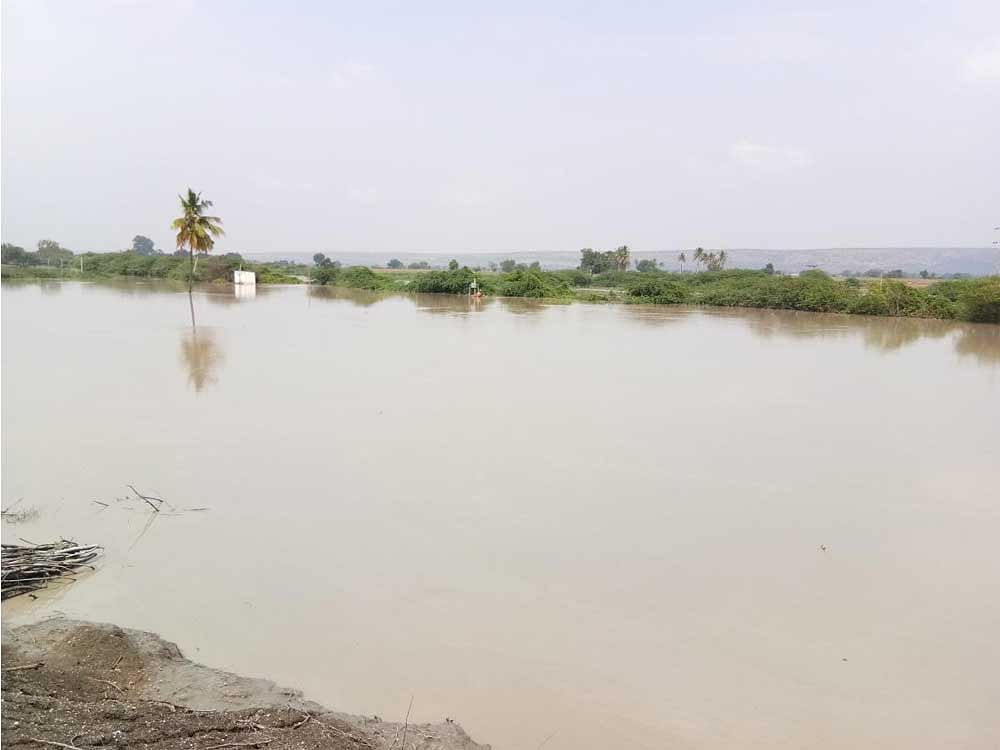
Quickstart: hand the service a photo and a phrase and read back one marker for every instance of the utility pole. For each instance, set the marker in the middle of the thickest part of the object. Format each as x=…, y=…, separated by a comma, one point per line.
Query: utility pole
x=996, y=263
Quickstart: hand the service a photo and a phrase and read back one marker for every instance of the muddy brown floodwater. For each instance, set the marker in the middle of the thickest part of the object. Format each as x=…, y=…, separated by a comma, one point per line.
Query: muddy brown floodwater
x=567, y=526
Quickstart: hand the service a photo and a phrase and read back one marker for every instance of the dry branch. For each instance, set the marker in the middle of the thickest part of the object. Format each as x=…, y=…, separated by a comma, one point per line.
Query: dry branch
x=342, y=733
x=36, y=665
x=148, y=499
x=108, y=682
x=57, y=744
x=27, y=568
x=239, y=744
x=406, y=724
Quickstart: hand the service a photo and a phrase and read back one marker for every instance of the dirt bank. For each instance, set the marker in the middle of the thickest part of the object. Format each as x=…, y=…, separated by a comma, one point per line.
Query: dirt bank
x=86, y=685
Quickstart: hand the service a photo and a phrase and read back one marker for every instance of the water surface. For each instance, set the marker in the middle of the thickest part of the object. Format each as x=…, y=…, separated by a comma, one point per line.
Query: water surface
x=568, y=526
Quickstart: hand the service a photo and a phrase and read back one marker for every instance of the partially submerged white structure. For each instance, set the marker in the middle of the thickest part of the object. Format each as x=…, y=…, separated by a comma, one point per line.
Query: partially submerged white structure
x=245, y=277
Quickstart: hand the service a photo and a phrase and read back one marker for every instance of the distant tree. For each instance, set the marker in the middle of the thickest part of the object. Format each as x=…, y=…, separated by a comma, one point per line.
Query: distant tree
x=621, y=258
x=420, y=265
x=322, y=261
x=51, y=253
x=682, y=259
x=924, y=274
x=493, y=266
x=507, y=266
x=452, y=265
x=595, y=261
x=716, y=261
x=710, y=261
x=769, y=269
x=394, y=263
x=646, y=265
x=535, y=266
x=15, y=256
x=195, y=228
x=143, y=245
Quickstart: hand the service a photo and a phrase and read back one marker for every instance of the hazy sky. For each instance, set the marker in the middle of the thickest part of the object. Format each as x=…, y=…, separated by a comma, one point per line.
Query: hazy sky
x=504, y=126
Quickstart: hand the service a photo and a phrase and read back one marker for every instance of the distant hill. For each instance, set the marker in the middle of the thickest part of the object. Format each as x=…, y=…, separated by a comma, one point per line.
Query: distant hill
x=978, y=261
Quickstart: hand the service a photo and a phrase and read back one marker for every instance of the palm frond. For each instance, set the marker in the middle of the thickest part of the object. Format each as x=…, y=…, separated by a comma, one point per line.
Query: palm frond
x=194, y=228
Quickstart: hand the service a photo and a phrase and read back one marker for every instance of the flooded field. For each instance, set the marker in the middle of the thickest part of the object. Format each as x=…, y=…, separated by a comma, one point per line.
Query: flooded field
x=564, y=526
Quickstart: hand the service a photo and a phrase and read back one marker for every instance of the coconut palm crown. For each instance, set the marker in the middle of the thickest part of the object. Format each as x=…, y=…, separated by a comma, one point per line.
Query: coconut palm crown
x=195, y=229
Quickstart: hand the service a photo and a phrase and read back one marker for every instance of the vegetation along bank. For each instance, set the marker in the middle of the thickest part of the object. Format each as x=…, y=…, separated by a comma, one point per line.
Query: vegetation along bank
x=601, y=277
x=973, y=299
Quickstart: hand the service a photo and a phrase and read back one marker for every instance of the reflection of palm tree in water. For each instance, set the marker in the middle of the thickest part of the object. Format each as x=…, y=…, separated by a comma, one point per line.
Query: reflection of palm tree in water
x=200, y=353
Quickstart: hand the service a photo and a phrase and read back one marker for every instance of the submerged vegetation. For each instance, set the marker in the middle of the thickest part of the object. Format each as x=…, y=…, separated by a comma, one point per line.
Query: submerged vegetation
x=601, y=277
x=814, y=291
x=174, y=266
x=973, y=299
x=521, y=282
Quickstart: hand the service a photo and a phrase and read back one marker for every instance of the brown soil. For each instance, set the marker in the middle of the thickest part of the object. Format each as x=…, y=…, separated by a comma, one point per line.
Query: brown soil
x=86, y=685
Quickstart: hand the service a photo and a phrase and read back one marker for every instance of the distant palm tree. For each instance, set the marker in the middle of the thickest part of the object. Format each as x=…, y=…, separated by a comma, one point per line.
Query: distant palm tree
x=699, y=255
x=195, y=229
x=723, y=257
x=682, y=259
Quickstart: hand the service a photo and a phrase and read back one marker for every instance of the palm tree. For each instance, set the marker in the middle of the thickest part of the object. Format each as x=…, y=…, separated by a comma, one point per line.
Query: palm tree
x=723, y=257
x=699, y=255
x=195, y=229
x=682, y=259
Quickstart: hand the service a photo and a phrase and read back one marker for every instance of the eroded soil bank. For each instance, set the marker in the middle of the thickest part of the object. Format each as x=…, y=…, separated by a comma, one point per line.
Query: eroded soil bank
x=87, y=685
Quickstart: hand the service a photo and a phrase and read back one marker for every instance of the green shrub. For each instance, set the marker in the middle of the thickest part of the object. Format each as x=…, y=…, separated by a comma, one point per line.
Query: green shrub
x=443, y=282
x=572, y=277
x=36, y=272
x=529, y=283
x=269, y=275
x=656, y=288
x=979, y=301
x=870, y=302
x=325, y=274
x=362, y=277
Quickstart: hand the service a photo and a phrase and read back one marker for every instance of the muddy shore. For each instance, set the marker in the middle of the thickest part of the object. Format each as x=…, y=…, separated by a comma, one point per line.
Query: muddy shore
x=84, y=685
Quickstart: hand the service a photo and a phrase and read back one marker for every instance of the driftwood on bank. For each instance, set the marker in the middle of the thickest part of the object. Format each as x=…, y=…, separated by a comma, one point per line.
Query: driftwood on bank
x=30, y=567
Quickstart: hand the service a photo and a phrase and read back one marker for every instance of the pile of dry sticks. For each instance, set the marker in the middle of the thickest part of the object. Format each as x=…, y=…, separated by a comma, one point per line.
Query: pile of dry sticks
x=27, y=568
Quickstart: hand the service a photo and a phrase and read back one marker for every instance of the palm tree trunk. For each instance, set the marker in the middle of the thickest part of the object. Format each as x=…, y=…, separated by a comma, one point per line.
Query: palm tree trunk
x=190, y=269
